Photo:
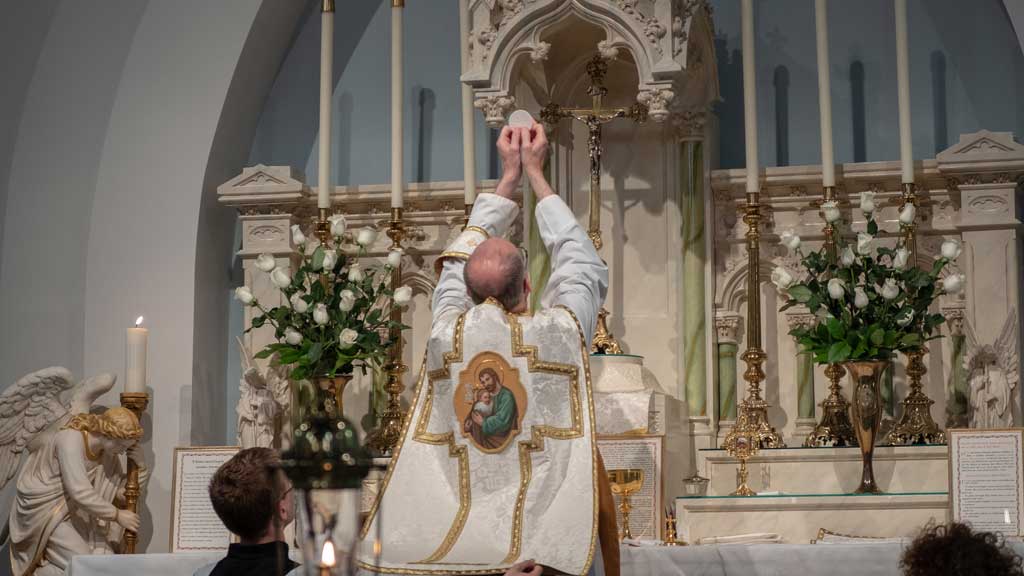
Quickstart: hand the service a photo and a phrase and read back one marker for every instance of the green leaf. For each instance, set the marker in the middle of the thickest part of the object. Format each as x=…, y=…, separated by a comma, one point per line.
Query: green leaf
x=314, y=352
x=911, y=340
x=259, y=321
x=318, y=258
x=836, y=329
x=800, y=293
x=877, y=336
x=872, y=227
x=838, y=352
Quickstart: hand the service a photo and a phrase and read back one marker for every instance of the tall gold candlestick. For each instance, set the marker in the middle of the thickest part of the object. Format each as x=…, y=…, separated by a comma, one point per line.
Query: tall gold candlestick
x=137, y=402
x=385, y=437
x=915, y=425
x=835, y=428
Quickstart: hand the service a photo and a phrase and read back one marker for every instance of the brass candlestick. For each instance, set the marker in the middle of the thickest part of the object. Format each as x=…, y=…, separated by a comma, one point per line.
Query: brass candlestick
x=835, y=428
x=624, y=483
x=915, y=425
x=671, y=536
x=385, y=437
x=137, y=403
x=752, y=420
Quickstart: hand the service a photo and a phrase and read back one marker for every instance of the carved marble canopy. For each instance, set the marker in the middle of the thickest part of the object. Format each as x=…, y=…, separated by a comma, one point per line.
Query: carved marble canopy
x=670, y=41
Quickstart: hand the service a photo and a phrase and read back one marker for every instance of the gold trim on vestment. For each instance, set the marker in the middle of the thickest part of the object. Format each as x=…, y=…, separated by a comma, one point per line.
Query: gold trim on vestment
x=526, y=447
x=477, y=229
x=397, y=452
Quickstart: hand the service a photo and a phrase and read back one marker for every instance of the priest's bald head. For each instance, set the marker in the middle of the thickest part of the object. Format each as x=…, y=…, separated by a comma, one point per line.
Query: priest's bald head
x=496, y=269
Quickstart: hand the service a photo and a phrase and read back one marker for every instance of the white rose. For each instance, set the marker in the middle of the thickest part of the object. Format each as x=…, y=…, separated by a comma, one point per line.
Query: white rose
x=266, y=262
x=860, y=297
x=905, y=318
x=298, y=304
x=355, y=272
x=347, y=338
x=847, y=257
x=823, y=314
x=320, y=315
x=889, y=290
x=907, y=214
x=790, y=240
x=836, y=289
x=395, y=258
x=281, y=277
x=899, y=261
x=864, y=241
x=338, y=225
x=348, y=300
x=244, y=295
x=867, y=202
x=953, y=283
x=782, y=278
x=403, y=295
x=366, y=237
x=951, y=249
x=330, y=259
x=830, y=210
x=292, y=336
x=298, y=238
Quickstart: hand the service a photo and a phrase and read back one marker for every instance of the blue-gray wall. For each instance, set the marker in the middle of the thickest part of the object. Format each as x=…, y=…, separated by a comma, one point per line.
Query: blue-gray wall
x=967, y=73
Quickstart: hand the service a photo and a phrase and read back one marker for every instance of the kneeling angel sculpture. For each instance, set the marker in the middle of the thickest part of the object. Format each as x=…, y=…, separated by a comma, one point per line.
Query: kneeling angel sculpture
x=72, y=479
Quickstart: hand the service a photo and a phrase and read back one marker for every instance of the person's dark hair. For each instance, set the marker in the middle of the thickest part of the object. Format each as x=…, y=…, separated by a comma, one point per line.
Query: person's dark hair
x=245, y=491
x=508, y=292
x=956, y=550
x=494, y=376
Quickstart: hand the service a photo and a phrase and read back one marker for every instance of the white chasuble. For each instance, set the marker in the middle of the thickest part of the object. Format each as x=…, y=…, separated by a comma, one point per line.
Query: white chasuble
x=497, y=463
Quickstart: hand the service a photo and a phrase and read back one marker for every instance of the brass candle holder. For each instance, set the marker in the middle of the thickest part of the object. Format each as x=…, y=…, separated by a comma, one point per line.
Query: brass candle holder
x=624, y=483
x=915, y=425
x=137, y=402
x=835, y=428
x=388, y=432
x=671, y=536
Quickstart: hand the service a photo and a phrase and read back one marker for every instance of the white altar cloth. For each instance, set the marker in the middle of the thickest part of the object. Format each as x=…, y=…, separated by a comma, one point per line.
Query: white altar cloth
x=859, y=559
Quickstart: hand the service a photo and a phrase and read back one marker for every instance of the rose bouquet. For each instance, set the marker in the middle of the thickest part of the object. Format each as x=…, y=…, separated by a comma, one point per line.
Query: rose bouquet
x=337, y=314
x=868, y=299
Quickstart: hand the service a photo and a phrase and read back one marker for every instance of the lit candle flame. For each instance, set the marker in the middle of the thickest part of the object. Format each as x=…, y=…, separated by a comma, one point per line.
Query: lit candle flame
x=138, y=321
x=327, y=557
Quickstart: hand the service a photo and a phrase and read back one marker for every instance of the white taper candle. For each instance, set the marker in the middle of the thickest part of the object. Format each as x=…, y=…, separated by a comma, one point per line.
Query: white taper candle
x=468, y=125
x=323, y=197
x=397, y=7
x=749, y=95
x=903, y=91
x=828, y=168
x=137, y=343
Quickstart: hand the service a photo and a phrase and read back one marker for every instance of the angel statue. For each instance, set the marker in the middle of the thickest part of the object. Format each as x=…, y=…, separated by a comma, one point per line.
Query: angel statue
x=263, y=402
x=72, y=480
x=992, y=373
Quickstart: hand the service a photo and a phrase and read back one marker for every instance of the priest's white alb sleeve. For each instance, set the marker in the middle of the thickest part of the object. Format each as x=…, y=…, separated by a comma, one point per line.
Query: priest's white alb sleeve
x=579, y=278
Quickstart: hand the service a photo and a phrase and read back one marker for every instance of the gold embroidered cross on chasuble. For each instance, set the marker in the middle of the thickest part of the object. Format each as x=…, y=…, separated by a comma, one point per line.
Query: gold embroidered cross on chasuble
x=497, y=461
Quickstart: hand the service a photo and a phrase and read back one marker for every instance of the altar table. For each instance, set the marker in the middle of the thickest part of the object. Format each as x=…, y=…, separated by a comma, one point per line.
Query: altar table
x=855, y=559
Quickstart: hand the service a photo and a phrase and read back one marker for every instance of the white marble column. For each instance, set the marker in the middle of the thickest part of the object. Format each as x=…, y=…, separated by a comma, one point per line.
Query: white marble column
x=727, y=326
x=804, y=375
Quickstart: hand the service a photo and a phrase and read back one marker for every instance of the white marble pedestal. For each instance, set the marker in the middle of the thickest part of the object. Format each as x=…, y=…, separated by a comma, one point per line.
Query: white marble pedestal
x=798, y=518
x=829, y=470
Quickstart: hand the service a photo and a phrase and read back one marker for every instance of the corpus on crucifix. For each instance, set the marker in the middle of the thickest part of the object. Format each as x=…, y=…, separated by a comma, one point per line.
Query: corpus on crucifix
x=595, y=117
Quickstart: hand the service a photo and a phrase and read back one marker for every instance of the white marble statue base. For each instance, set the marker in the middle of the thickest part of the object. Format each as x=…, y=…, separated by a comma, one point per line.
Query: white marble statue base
x=829, y=470
x=797, y=519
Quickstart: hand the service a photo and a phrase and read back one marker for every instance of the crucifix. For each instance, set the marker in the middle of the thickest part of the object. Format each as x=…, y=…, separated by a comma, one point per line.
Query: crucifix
x=595, y=117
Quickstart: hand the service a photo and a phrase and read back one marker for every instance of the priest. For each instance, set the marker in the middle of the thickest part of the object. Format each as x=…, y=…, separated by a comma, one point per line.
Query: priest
x=498, y=462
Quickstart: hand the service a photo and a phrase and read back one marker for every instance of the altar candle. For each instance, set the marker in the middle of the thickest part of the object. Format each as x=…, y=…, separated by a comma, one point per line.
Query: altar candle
x=135, y=358
x=749, y=95
x=828, y=168
x=397, y=6
x=468, y=125
x=903, y=91
x=323, y=198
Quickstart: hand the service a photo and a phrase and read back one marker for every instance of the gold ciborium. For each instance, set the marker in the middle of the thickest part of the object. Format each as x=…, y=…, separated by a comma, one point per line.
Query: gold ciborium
x=625, y=482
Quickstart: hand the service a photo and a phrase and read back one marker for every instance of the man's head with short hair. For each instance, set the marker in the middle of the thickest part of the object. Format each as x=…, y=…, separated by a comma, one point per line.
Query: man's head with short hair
x=496, y=270
x=251, y=495
x=956, y=550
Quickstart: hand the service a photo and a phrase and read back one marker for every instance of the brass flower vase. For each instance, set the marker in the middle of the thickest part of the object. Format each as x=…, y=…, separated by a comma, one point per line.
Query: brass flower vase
x=866, y=414
x=331, y=392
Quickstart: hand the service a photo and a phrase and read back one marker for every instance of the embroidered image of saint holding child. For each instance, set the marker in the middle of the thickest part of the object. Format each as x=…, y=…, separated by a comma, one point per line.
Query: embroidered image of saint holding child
x=490, y=402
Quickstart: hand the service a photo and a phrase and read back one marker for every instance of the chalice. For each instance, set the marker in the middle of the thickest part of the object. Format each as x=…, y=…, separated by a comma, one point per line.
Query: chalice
x=625, y=482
